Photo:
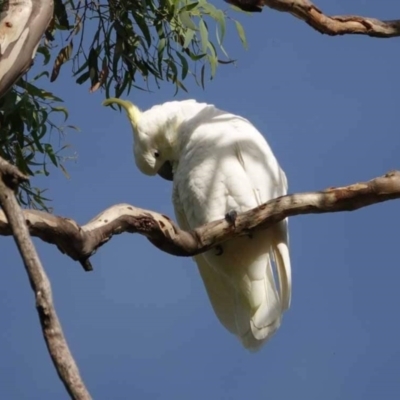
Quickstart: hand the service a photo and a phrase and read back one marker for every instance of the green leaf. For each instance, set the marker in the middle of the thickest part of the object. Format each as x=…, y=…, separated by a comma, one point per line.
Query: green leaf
x=161, y=46
x=226, y=62
x=181, y=86
x=197, y=57
x=203, y=35
x=62, y=110
x=38, y=76
x=20, y=160
x=188, y=38
x=36, y=139
x=48, y=148
x=75, y=128
x=93, y=55
x=64, y=171
x=93, y=65
x=184, y=16
x=172, y=66
x=140, y=20
x=81, y=68
x=185, y=65
x=35, y=91
x=212, y=59
x=83, y=78
x=46, y=54
x=221, y=26
x=220, y=43
x=189, y=7
x=241, y=33
x=61, y=14
x=120, y=88
x=210, y=9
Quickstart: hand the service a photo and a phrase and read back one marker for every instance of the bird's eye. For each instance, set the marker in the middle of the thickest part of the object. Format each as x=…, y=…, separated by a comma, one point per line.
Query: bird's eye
x=156, y=154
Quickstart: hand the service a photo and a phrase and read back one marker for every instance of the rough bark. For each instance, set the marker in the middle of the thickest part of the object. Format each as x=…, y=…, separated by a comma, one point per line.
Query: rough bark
x=325, y=24
x=56, y=343
x=80, y=242
x=22, y=25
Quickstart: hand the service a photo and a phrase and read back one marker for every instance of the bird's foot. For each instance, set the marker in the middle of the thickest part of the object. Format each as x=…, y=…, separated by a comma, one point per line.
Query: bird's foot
x=218, y=250
x=231, y=217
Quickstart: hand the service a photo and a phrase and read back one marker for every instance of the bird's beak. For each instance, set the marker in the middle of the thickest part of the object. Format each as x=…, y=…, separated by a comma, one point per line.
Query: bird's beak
x=165, y=171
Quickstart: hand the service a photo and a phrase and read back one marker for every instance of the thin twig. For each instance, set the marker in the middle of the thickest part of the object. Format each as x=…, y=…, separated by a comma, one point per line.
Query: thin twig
x=52, y=331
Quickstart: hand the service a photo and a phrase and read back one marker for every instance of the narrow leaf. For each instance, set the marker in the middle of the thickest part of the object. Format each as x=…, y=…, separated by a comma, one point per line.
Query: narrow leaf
x=140, y=20
x=63, y=56
x=203, y=35
x=187, y=21
x=185, y=65
x=189, y=7
x=221, y=26
x=241, y=33
x=83, y=78
x=188, y=38
x=62, y=110
x=50, y=152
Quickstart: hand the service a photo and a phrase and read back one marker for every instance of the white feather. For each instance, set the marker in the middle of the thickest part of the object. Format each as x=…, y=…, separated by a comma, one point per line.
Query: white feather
x=222, y=163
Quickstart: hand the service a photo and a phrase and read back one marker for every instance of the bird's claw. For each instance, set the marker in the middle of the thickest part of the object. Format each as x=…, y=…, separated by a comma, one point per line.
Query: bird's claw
x=231, y=217
x=218, y=250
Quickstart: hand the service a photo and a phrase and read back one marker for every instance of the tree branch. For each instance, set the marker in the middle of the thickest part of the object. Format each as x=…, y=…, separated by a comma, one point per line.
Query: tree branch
x=329, y=25
x=80, y=242
x=52, y=331
x=22, y=25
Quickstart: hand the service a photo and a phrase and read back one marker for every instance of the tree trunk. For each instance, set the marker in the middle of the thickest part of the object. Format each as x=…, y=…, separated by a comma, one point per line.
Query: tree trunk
x=22, y=25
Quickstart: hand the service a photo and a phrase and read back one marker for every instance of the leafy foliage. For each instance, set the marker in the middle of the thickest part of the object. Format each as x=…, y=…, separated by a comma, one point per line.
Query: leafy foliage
x=135, y=40
x=115, y=45
x=27, y=116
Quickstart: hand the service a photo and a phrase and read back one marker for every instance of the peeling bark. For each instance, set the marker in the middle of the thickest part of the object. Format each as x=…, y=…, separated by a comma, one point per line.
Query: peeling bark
x=22, y=25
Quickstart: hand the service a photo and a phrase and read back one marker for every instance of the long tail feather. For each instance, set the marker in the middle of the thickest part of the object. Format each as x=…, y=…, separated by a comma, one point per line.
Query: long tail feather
x=282, y=260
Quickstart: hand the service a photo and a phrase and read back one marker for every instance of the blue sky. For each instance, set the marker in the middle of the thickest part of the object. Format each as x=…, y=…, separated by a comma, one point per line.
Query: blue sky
x=140, y=326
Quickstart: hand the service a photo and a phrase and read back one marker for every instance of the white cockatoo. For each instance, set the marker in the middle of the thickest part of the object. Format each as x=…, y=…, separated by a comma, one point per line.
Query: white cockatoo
x=221, y=165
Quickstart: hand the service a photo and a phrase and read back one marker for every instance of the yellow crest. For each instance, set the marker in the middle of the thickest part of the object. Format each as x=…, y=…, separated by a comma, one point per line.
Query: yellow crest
x=132, y=111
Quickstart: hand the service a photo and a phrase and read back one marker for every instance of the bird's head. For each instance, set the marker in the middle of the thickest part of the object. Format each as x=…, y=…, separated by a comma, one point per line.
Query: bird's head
x=152, y=144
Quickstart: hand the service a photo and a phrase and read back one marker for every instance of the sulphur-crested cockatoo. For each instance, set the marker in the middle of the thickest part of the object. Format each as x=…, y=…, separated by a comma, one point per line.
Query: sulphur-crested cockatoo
x=221, y=165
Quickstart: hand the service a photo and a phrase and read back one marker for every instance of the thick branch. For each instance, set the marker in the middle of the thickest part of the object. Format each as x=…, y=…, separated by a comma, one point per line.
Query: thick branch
x=22, y=25
x=51, y=327
x=330, y=25
x=80, y=242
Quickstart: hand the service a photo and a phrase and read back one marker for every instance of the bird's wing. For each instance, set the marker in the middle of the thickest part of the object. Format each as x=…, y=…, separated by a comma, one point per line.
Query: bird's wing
x=280, y=241
x=266, y=180
x=222, y=295
x=231, y=167
x=277, y=236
